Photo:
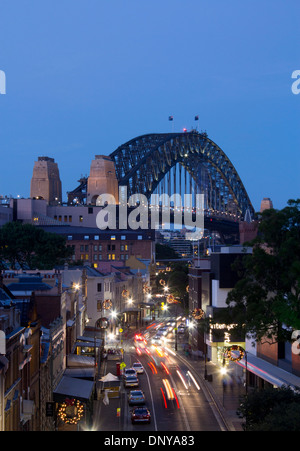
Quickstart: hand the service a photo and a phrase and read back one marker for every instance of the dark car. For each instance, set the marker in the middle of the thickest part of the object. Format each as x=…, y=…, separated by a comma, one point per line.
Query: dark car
x=136, y=397
x=140, y=415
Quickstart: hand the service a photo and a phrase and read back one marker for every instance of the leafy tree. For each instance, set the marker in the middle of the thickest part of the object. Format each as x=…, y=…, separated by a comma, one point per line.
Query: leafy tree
x=271, y=409
x=265, y=301
x=29, y=247
x=164, y=252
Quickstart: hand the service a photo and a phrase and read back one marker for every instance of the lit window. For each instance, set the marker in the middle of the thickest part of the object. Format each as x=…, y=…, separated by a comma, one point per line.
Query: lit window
x=96, y=237
x=113, y=237
x=86, y=237
x=123, y=237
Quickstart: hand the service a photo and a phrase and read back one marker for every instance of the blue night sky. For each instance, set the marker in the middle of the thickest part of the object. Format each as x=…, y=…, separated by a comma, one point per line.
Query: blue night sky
x=83, y=77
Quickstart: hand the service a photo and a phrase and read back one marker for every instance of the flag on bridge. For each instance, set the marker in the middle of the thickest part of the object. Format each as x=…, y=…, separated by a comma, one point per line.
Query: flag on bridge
x=196, y=118
x=171, y=118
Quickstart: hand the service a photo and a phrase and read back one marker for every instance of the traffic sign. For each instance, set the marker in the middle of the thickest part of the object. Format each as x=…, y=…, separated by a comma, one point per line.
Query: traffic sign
x=122, y=365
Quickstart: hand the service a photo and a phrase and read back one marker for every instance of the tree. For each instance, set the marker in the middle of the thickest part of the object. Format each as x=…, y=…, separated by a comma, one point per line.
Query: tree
x=271, y=409
x=265, y=301
x=164, y=252
x=28, y=247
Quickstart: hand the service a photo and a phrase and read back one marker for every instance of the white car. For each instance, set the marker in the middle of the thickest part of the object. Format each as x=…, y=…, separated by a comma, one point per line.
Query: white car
x=138, y=367
x=129, y=372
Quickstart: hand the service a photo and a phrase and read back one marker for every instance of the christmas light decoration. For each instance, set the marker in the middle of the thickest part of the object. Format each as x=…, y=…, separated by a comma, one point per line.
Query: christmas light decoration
x=71, y=411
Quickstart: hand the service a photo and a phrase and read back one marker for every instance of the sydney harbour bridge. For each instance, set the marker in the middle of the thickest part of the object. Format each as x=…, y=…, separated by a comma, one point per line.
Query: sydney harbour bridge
x=189, y=163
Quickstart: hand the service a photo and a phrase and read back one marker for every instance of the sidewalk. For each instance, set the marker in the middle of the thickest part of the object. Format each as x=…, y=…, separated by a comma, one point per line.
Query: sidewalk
x=226, y=397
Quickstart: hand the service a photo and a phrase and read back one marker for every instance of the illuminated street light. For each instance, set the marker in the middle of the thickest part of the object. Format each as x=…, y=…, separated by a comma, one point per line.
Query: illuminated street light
x=223, y=371
x=113, y=314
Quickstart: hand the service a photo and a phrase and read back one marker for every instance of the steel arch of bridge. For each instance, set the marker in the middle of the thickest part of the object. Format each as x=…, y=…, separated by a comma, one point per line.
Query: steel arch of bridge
x=143, y=162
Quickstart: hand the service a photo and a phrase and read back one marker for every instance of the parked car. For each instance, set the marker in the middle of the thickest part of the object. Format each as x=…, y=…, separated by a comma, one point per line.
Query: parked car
x=131, y=381
x=136, y=397
x=138, y=367
x=140, y=415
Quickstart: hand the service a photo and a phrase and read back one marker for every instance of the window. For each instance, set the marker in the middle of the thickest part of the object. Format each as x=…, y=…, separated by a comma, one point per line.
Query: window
x=140, y=237
x=113, y=247
x=90, y=210
x=113, y=257
x=108, y=247
x=81, y=248
x=100, y=247
x=86, y=237
x=126, y=247
x=99, y=305
x=95, y=257
x=99, y=287
x=70, y=218
x=80, y=218
x=86, y=248
x=122, y=257
x=126, y=257
x=86, y=256
x=81, y=257
x=100, y=256
x=113, y=237
x=123, y=237
x=122, y=247
x=70, y=237
x=108, y=256
x=96, y=237
x=95, y=248
x=65, y=218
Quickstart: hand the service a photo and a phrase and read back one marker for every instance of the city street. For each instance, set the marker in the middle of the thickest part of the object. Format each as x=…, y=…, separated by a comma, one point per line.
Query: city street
x=173, y=391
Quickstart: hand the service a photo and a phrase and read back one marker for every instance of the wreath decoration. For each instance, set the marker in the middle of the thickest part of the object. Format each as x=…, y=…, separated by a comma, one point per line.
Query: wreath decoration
x=197, y=313
x=107, y=304
x=162, y=282
x=124, y=293
x=235, y=348
x=71, y=411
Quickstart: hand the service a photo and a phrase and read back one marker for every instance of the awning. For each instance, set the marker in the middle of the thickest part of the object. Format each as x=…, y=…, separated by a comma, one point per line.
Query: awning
x=270, y=373
x=74, y=360
x=71, y=387
x=81, y=373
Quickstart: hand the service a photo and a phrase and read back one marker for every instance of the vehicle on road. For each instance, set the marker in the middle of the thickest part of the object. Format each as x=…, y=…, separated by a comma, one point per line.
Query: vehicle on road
x=140, y=415
x=138, y=367
x=129, y=372
x=136, y=397
x=131, y=381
